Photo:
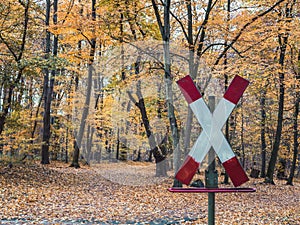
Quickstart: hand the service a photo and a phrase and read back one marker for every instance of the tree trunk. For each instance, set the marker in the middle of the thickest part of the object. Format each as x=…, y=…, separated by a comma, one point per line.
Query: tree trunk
x=193, y=74
x=187, y=133
x=75, y=161
x=283, y=40
x=164, y=27
x=85, y=112
x=118, y=144
x=263, y=132
x=242, y=136
x=194, y=65
x=48, y=89
x=170, y=106
x=226, y=178
x=295, y=125
x=155, y=149
x=6, y=107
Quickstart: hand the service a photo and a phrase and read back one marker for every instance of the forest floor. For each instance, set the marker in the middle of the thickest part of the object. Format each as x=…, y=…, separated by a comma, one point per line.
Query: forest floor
x=128, y=193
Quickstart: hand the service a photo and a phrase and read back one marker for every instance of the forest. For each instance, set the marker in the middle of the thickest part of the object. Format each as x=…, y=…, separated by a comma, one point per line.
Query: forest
x=92, y=85
x=86, y=81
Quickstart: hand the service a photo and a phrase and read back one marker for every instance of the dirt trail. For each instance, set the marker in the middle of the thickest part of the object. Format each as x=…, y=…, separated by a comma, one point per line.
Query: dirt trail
x=122, y=193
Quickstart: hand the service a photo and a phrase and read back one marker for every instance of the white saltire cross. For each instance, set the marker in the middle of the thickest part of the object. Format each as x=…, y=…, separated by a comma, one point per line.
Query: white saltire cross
x=212, y=135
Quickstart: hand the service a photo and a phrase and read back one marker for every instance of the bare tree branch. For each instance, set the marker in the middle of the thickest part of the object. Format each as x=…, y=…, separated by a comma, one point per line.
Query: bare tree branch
x=244, y=28
x=181, y=25
x=157, y=15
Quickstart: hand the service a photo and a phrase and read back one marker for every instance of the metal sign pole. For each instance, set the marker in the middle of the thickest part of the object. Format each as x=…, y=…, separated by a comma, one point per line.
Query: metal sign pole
x=211, y=175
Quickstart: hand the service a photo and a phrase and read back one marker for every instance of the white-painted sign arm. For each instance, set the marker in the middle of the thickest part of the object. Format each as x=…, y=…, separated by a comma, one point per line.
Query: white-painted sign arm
x=212, y=134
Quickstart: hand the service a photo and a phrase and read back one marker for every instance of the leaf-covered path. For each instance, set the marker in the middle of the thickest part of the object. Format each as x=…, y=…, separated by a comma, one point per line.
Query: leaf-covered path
x=120, y=193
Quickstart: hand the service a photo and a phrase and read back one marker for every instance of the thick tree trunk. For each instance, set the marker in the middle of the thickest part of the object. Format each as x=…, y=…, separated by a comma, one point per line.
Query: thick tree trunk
x=46, y=124
x=193, y=74
x=194, y=65
x=170, y=107
x=283, y=40
x=169, y=89
x=164, y=27
x=48, y=89
x=85, y=112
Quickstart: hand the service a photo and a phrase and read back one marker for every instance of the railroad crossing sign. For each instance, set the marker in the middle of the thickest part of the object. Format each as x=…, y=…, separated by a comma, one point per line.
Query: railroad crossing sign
x=211, y=134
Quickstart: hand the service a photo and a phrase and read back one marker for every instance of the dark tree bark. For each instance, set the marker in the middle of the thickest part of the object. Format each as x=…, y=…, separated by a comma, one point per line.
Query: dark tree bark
x=295, y=124
x=156, y=150
x=48, y=88
x=283, y=40
x=118, y=144
x=75, y=159
x=263, y=131
x=226, y=178
x=67, y=148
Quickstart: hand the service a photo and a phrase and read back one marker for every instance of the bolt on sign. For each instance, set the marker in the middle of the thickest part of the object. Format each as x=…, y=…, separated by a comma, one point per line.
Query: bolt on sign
x=212, y=134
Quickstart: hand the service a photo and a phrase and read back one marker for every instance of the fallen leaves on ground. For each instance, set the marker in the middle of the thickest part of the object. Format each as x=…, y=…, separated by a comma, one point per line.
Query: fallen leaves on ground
x=130, y=193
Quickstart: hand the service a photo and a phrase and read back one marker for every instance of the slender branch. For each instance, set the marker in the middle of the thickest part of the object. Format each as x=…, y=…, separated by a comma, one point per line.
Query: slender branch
x=133, y=99
x=256, y=44
x=218, y=44
x=70, y=6
x=26, y=19
x=202, y=26
x=9, y=47
x=190, y=24
x=244, y=7
x=181, y=25
x=88, y=40
x=157, y=15
x=244, y=28
x=141, y=49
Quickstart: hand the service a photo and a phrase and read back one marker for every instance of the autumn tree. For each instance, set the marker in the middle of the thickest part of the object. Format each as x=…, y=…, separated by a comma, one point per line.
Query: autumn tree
x=296, y=86
x=205, y=36
x=283, y=37
x=79, y=134
x=163, y=21
x=13, y=39
x=49, y=80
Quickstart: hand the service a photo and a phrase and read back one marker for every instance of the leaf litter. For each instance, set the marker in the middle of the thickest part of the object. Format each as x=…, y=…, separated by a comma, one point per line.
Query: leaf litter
x=129, y=193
